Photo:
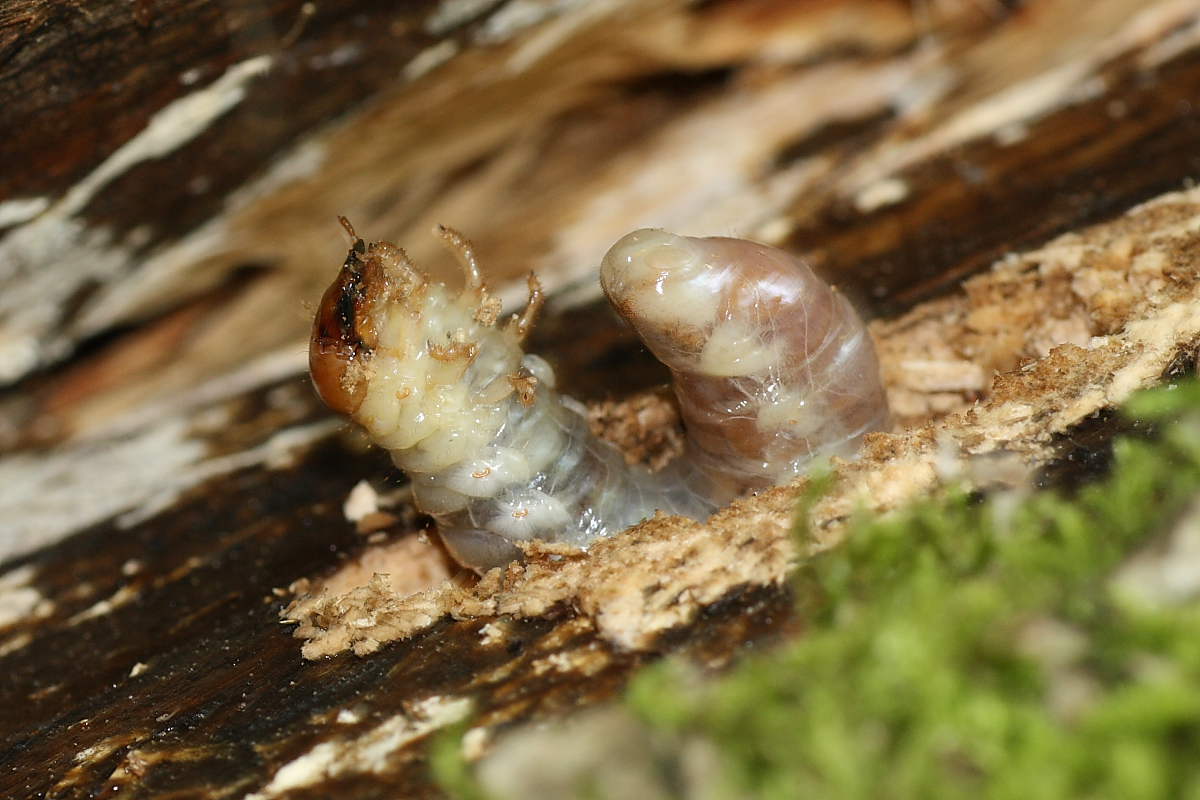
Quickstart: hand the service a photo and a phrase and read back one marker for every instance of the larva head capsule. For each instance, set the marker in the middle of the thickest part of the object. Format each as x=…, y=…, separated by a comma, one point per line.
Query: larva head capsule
x=345, y=331
x=424, y=369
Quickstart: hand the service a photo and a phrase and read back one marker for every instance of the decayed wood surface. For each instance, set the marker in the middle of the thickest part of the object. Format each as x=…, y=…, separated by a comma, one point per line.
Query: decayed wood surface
x=167, y=204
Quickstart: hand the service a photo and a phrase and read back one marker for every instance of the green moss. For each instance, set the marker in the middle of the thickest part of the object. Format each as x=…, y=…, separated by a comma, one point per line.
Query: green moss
x=975, y=649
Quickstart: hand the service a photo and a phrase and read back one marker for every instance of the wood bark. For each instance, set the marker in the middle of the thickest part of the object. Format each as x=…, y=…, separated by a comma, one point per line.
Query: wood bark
x=170, y=176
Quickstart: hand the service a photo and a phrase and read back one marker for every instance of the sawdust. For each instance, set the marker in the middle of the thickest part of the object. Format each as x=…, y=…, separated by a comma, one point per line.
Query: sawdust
x=408, y=564
x=1019, y=354
x=646, y=427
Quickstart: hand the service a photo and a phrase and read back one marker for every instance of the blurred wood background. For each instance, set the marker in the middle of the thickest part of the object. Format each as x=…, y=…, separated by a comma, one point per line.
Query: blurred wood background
x=170, y=176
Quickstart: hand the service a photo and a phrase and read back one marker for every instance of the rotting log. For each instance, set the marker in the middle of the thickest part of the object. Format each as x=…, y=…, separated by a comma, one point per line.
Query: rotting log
x=168, y=197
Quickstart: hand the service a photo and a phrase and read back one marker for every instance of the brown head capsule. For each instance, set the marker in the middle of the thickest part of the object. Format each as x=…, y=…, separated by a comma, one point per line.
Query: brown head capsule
x=344, y=333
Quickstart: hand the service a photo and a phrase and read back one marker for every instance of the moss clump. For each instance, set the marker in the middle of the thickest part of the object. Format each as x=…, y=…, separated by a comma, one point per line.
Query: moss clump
x=976, y=649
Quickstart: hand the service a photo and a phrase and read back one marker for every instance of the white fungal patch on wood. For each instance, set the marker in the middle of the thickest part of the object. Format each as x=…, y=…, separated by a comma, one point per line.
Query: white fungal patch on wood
x=44, y=497
x=1025, y=100
x=19, y=602
x=152, y=279
x=121, y=597
x=430, y=59
x=451, y=14
x=498, y=457
x=170, y=128
x=369, y=753
x=139, y=467
x=22, y=209
x=491, y=633
x=516, y=16
x=277, y=452
x=558, y=33
x=46, y=260
x=19, y=599
x=1179, y=17
x=99, y=751
x=881, y=194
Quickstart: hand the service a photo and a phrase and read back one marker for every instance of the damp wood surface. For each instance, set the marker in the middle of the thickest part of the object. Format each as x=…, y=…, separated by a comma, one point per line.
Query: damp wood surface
x=1002, y=187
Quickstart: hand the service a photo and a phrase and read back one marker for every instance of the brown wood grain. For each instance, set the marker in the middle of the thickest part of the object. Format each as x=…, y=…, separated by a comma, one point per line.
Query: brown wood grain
x=622, y=118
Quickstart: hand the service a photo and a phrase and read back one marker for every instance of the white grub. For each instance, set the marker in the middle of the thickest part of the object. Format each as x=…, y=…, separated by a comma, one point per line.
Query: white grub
x=773, y=368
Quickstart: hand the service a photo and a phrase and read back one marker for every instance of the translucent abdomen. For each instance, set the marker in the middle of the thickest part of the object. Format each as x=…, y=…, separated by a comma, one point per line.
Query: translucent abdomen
x=771, y=365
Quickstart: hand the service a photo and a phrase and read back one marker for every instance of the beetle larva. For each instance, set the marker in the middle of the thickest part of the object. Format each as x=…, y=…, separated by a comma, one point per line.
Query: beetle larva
x=772, y=368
